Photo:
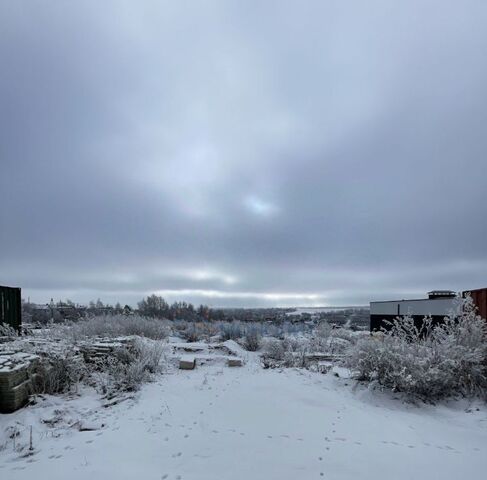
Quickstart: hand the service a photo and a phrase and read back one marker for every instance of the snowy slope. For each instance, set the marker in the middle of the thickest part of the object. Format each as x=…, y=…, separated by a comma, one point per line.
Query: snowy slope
x=247, y=423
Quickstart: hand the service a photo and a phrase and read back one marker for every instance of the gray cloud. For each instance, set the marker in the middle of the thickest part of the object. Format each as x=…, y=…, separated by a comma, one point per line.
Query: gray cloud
x=243, y=153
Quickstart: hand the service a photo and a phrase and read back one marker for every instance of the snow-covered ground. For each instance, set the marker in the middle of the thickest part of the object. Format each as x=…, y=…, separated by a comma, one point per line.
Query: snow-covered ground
x=246, y=423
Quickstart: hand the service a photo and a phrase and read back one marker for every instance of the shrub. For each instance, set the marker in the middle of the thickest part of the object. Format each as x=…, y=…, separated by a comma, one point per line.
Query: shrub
x=230, y=331
x=192, y=333
x=321, y=337
x=58, y=374
x=114, y=326
x=252, y=339
x=274, y=349
x=8, y=331
x=128, y=368
x=150, y=353
x=428, y=363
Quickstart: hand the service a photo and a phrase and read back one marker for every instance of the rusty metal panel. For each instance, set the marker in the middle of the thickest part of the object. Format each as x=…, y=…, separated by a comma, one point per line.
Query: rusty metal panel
x=479, y=297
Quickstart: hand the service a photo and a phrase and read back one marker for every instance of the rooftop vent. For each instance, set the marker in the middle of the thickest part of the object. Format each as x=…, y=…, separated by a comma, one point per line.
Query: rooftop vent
x=441, y=294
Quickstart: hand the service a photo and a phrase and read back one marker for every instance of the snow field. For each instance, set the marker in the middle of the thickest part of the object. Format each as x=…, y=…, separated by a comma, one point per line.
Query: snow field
x=248, y=423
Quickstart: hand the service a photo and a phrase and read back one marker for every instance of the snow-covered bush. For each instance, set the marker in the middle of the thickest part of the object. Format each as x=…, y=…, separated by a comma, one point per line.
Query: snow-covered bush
x=191, y=332
x=327, y=339
x=287, y=352
x=320, y=339
x=252, y=338
x=128, y=368
x=8, y=331
x=195, y=331
x=296, y=344
x=230, y=331
x=427, y=362
x=113, y=326
x=274, y=349
x=58, y=374
x=150, y=353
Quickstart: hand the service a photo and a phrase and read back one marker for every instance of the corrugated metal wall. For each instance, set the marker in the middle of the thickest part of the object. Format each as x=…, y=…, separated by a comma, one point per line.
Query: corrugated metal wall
x=10, y=307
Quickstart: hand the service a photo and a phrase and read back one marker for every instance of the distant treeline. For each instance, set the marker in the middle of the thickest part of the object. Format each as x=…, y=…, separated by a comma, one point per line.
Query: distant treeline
x=155, y=306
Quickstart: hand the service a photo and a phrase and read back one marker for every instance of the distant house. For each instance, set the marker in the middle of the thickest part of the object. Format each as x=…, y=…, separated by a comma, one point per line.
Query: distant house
x=438, y=305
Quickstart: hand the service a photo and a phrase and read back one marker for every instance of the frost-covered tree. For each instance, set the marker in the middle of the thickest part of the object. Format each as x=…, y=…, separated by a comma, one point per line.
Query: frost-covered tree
x=153, y=306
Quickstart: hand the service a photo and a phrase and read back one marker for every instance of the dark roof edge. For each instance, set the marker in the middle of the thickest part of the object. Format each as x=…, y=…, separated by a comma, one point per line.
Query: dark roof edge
x=415, y=300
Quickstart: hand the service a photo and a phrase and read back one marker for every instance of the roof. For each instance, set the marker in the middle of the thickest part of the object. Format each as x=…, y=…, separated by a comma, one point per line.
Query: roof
x=442, y=292
x=411, y=300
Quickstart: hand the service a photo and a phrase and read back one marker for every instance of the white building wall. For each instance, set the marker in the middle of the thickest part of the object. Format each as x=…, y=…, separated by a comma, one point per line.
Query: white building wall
x=438, y=306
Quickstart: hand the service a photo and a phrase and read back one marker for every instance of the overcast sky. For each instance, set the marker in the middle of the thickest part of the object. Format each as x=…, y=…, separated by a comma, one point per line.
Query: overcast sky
x=243, y=153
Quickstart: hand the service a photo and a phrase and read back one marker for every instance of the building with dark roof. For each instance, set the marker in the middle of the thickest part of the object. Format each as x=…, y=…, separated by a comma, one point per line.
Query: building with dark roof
x=438, y=305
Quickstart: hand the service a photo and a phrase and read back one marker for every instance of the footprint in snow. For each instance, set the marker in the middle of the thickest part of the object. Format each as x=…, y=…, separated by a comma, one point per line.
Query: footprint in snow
x=175, y=455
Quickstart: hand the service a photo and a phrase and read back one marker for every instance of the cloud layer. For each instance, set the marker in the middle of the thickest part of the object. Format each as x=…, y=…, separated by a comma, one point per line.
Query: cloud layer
x=243, y=153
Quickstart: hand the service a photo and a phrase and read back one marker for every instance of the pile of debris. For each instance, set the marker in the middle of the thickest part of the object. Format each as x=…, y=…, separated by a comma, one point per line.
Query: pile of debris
x=16, y=376
x=105, y=347
x=195, y=353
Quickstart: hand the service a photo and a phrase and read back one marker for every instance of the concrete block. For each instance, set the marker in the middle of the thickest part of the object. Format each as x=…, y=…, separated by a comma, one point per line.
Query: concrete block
x=234, y=362
x=187, y=362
